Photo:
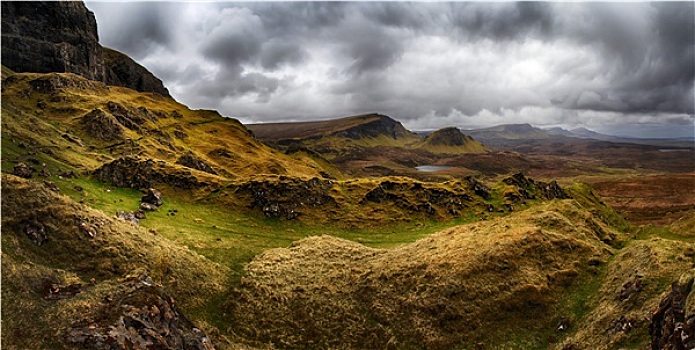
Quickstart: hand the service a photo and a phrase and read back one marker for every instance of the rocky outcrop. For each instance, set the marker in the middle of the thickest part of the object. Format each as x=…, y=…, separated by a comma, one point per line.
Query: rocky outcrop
x=670, y=327
x=122, y=70
x=102, y=126
x=61, y=36
x=141, y=316
x=132, y=172
x=51, y=36
x=418, y=197
x=527, y=188
x=286, y=197
x=189, y=160
x=380, y=125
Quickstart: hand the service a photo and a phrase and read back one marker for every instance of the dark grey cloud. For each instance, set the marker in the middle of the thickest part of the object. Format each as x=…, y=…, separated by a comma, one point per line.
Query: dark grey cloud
x=427, y=64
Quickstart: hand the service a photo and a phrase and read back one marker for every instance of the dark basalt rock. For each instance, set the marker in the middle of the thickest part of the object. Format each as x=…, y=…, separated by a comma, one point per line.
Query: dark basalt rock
x=153, y=197
x=527, y=188
x=50, y=36
x=191, y=161
x=122, y=70
x=102, y=126
x=140, y=315
x=670, y=327
x=23, y=170
x=284, y=198
x=132, y=172
x=61, y=36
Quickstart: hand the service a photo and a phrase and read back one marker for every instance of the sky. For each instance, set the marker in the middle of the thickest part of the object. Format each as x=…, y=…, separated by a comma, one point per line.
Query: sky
x=625, y=69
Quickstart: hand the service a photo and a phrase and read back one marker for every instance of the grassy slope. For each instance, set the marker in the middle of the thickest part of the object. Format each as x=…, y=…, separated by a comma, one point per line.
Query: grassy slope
x=218, y=240
x=39, y=119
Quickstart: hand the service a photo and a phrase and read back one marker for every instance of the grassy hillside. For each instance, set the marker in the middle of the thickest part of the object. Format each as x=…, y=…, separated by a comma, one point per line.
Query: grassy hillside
x=257, y=248
x=84, y=124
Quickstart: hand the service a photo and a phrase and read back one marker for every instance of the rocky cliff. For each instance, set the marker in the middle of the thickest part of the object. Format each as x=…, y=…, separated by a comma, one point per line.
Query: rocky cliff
x=61, y=36
x=121, y=70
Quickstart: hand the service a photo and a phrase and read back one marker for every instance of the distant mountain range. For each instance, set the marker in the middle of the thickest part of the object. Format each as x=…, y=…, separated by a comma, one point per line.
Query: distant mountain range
x=494, y=135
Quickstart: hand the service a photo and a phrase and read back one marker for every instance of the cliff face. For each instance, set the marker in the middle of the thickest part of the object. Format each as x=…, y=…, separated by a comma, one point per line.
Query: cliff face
x=48, y=37
x=121, y=70
x=380, y=125
x=61, y=36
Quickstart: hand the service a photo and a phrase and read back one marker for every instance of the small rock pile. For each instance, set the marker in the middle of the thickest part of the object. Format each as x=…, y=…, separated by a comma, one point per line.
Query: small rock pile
x=151, y=201
x=140, y=315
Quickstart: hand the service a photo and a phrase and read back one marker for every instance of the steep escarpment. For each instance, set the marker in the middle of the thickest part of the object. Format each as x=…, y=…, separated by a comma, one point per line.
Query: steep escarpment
x=55, y=36
x=122, y=70
x=61, y=36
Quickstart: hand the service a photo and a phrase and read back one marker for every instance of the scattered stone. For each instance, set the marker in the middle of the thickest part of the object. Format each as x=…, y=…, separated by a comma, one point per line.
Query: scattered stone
x=129, y=216
x=148, y=207
x=630, y=287
x=78, y=188
x=67, y=174
x=563, y=325
x=88, y=229
x=56, y=291
x=44, y=171
x=23, y=170
x=622, y=325
x=36, y=232
x=51, y=186
x=153, y=197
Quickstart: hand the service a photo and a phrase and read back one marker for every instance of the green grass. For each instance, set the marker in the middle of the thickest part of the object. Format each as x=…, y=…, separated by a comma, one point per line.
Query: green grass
x=232, y=237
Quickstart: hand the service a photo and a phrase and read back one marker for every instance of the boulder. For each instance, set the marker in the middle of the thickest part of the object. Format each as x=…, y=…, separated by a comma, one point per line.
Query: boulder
x=148, y=207
x=153, y=197
x=23, y=170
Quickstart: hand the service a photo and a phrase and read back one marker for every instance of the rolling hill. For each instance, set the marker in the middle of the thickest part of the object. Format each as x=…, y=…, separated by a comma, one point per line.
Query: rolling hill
x=130, y=221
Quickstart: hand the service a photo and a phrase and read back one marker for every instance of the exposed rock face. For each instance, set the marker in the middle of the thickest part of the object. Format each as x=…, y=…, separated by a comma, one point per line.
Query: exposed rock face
x=527, y=188
x=55, y=36
x=61, y=36
x=191, y=161
x=417, y=197
x=671, y=328
x=142, y=316
x=102, y=126
x=132, y=172
x=448, y=137
x=122, y=70
x=383, y=125
x=284, y=198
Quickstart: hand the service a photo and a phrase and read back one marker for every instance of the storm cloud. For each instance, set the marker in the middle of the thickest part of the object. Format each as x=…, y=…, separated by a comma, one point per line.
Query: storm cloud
x=429, y=65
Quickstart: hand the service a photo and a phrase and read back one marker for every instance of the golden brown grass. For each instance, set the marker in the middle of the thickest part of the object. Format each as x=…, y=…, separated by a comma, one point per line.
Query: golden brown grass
x=70, y=256
x=474, y=283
